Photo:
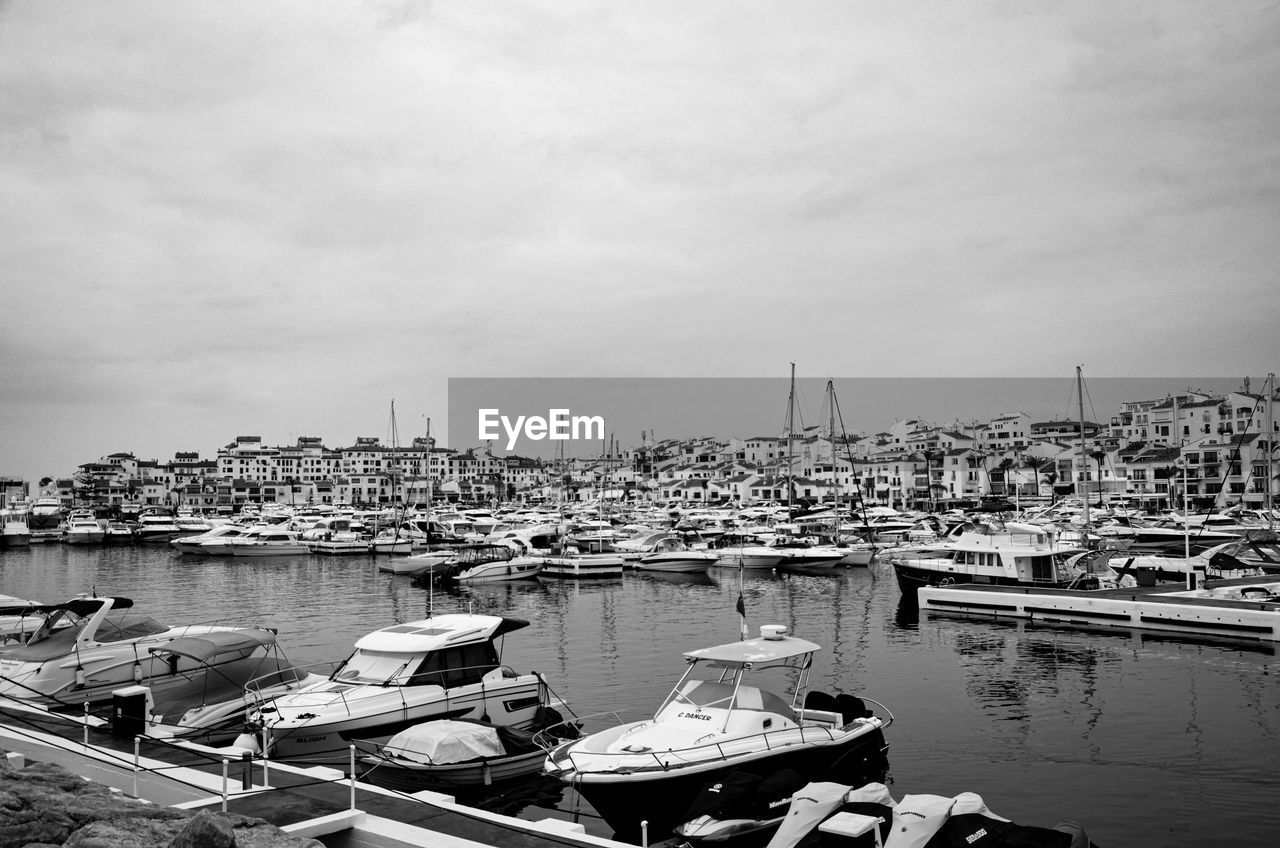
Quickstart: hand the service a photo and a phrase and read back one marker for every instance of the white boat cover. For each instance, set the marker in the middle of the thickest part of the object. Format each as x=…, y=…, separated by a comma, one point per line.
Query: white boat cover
x=444, y=741
x=808, y=808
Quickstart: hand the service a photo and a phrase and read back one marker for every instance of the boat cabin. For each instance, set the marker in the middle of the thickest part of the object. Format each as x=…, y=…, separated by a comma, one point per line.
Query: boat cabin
x=446, y=651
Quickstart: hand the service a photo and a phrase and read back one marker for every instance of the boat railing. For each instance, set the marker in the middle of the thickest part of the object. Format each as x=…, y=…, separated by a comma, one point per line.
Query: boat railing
x=254, y=689
x=646, y=759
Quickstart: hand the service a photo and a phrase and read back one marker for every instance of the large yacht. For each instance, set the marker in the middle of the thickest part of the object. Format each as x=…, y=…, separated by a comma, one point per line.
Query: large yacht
x=988, y=552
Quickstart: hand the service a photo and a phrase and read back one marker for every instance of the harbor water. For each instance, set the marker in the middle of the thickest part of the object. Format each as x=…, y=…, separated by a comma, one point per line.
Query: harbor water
x=1144, y=739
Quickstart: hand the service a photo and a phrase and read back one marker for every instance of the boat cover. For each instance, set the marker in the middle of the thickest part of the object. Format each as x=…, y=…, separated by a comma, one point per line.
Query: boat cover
x=206, y=646
x=444, y=741
x=809, y=806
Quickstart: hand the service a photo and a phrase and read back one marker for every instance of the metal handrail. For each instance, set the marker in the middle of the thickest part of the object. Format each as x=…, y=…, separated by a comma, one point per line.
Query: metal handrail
x=678, y=758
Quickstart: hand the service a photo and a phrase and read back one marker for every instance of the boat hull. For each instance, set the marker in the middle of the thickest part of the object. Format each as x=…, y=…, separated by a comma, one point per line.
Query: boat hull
x=585, y=567
x=674, y=564
x=661, y=798
x=321, y=727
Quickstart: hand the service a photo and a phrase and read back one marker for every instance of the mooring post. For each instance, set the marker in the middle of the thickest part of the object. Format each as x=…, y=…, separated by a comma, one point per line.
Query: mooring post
x=86, y=724
x=137, y=744
x=226, y=764
x=644, y=834
x=266, y=778
x=353, y=777
x=246, y=777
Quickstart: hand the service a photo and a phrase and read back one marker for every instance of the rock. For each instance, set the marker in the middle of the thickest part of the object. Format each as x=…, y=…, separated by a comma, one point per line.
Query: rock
x=264, y=835
x=19, y=835
x=45, y=806
x=124, y=833
x=205, y=830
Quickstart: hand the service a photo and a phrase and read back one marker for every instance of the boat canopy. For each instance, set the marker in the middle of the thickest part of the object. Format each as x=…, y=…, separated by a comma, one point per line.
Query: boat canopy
x=441, y=631
x=753, y=652
x=60, y=642
x=78, y=606
x=209, y=645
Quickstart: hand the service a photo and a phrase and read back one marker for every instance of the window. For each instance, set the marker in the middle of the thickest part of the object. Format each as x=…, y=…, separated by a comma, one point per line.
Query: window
x=459, y=666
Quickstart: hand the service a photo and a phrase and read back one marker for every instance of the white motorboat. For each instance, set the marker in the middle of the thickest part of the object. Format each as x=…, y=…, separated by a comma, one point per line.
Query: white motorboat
x=223, y=543
x=159, y=527
x=414, y=563
x=447, y=666
x=15, y=528
x=1004, y=554
x=83, y=529
x=87, y=647
x=200, y=543
x=576, y=566
x=673, y=555
x=269, y=543
x=391, y=542
x=712, y=723
x=445, y=755
x=800, y=555
x=211, y=708
x=19, y=618
x=336, y=535
x=46, y=513
x=481, y=563
x=739, y=550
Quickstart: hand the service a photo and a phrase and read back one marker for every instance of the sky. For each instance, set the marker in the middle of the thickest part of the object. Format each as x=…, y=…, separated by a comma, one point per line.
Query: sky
x=274, y=218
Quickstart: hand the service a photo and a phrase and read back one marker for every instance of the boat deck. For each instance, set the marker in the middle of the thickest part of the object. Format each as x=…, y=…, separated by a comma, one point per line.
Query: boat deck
x=1147, y=608
x=292, y=798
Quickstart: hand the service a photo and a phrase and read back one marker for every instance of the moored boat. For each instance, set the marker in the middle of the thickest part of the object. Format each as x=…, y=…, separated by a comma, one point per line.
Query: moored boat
x=673, y=555
x=713, y=723
x=447, y=666
x=996, y=554
x=15, y=528
x=83, y=529
x=88, y=646
x=451, y=755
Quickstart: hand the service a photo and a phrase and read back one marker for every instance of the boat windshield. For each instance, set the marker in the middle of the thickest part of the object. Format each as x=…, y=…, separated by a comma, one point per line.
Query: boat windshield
x=377, y=667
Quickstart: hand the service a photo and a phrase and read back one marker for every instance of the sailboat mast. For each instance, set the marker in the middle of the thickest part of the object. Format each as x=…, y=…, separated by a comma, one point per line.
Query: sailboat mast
x=1271, y=435
x=831, y=433
x=791, y=411
x=430, y=493
x=1084, y=455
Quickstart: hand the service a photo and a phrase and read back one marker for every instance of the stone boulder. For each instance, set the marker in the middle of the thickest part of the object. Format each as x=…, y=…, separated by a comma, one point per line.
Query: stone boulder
x=44, y=806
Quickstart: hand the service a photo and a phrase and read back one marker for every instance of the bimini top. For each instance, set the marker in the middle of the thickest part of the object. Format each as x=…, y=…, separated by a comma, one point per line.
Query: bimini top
x=82, y=607
x=206, y=646
x=441, y=631
x=753, y=652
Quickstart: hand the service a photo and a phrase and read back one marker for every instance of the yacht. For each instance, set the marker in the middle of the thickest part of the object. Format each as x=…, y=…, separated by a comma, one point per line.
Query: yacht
x=673, y=555
x=158, y=527
x=742, y=550
x=83, y=529
x=480, y=563
x=718, y=720
x=89, y=646
x=1004, y=554
x=15, y=529
x=268, y=543
x=447, y=666
x=46, y=513
x=199, y=543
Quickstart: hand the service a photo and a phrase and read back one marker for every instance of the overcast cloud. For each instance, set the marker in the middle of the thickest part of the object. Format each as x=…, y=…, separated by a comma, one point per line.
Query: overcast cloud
x=272, y=218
